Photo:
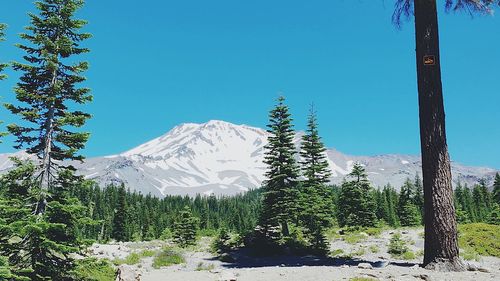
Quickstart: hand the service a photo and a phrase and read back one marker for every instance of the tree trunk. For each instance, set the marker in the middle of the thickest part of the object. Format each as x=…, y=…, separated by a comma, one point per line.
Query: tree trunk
x=441, y=245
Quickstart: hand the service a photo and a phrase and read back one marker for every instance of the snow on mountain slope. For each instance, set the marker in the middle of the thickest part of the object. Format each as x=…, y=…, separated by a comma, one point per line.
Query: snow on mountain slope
x=222, y=158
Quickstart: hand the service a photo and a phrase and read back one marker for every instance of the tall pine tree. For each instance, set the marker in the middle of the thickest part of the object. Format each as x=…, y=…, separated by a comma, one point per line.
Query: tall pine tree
x=316, y=208
x=280, y=187
x=46, y=91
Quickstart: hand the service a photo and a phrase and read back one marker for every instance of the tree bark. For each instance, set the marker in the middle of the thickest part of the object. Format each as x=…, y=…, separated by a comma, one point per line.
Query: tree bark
x=441, y=241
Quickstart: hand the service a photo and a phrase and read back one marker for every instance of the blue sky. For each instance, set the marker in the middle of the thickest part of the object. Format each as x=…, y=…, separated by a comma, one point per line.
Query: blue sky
x=156, y=64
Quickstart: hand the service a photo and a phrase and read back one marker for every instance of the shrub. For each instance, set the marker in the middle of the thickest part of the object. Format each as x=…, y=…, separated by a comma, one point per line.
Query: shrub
x=359, y=252
x=469, y=254
x=484, y=239
x=92, y=269
x=167, y=257
x=354, y=238
x=397, y=246
x=133, y=258
x=408, y=255
x=374, y=249
x=222, y=243
x=202, y=267
x=166, y=234
x=148, y=253
x=337, y=252
x=373, y=231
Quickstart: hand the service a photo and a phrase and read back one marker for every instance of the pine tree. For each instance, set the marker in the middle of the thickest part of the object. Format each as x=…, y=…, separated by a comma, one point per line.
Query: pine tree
x=355, y=206
x=39, y=249
x=316, y=199
x=47, y=88
x=468, y=204
x=120, y=232
x=480, y=205
x=408, y=213
x=185, y=228
x=418, y=196
x=280, y=188
x=390, y=195
x=496, y=189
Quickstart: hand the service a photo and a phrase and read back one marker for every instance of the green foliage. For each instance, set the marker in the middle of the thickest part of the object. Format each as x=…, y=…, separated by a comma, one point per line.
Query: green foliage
x=316, y=198
x=480, y=238
x=92, y=269
x=409, y=255
x=397, y=246
x=354, y=237
x=120, y=217
x=496, y=189
x=6, y=273
x=147, y=253
x=374, y=249
x=185, y=228
x=408, y=212
x=166, y=234
x=48, y=83
x=356, y=206
x=131, y=259
x=148, y=214
x=40, y=246
x=167, y=257
x=202, y=267
x=280, y=188
x=494, y=215
x=222, y=243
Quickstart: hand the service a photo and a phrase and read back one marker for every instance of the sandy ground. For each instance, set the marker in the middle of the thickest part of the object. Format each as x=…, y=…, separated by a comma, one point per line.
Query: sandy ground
x=370, y=253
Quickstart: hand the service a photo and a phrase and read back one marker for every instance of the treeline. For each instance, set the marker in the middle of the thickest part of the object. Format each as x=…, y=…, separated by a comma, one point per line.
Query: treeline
x=123, y=215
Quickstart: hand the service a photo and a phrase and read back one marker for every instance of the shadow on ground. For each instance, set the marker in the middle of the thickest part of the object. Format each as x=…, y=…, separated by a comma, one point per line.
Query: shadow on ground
x=242, y=259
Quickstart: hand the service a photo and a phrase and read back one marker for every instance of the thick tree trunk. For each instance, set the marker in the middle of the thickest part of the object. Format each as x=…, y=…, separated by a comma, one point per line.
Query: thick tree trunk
x=441, y=245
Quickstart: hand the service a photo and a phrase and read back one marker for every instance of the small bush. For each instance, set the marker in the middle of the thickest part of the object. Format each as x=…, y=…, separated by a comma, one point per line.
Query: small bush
x=221, y=243
x=359, y=252
x=133, y=258
x=397, y=246
x=202, y=267
x=166, y=234
x=408, y=255
x=374, y=249
x=167, y=257
x=148, y=253
x=92, y=269
x=337, y=252
x=354, y=238
x=373, y=231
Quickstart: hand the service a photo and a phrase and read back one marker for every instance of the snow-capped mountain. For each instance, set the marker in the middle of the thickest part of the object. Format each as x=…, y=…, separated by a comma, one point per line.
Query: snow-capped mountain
x=223, y=158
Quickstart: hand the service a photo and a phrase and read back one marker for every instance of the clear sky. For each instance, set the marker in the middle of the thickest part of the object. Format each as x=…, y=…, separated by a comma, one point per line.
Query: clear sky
x=156, y=64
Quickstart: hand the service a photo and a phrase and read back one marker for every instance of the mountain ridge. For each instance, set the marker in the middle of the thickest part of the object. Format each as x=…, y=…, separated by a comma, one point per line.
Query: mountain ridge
x=218, y=157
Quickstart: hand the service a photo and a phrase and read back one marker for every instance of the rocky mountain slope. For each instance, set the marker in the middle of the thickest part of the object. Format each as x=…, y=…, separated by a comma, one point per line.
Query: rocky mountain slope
x=225, y=159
